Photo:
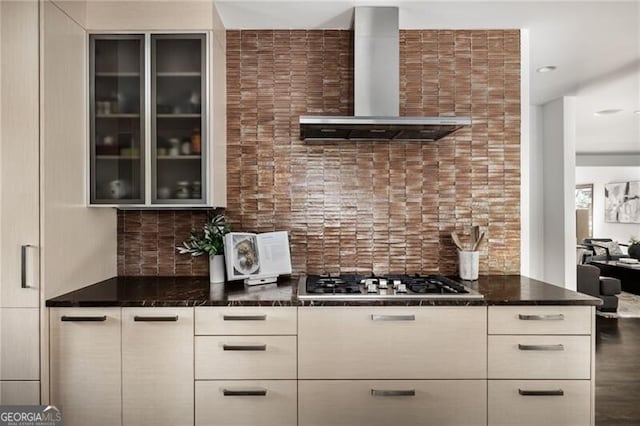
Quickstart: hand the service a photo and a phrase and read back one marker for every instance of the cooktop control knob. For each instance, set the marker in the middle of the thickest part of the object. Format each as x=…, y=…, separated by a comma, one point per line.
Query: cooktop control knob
x=396, y=283
x=401, y=288
x=372, y=288
x=382, y=283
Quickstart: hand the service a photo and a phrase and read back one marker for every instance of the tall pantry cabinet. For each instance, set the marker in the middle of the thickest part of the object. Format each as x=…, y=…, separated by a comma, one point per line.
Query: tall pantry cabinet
x=19, y=203
x=50, y=243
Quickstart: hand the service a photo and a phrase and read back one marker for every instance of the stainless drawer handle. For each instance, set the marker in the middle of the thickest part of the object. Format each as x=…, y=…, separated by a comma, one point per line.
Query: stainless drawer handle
x=244, y=392
x=83, y=318
x=554, y=392
x=155, y=319
x=559, y=347
x=393, y=317
x=552, y=317
x=383, y=392
x=244, y=317
x=244, y=347
x=23, y=265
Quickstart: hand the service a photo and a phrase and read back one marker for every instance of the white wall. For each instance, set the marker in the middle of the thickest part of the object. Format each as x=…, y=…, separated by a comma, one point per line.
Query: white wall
x=599, y=176
x=558, y=160
x=535, y=182
x=525, y=154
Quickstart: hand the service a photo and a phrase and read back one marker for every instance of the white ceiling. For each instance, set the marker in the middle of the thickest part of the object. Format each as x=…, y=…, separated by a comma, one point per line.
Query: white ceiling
x=594, y=44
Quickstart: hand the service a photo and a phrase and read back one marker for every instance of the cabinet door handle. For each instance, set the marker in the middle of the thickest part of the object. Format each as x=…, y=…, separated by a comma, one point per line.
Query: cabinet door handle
x=552, y=317
x=96, y=318
x=384, y=392
x=552, y=392
x=559, y=347
x=244, y=392
x=244, y=317
x=156, y=319
x=393, y=317
x=23, y=265
x=244, y=347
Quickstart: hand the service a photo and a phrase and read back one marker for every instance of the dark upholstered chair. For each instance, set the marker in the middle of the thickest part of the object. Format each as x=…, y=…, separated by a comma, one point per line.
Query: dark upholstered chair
x=589, y=243
x=590, y=282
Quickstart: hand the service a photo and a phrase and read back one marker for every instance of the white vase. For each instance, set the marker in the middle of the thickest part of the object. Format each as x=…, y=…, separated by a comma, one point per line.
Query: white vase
x=216, y=268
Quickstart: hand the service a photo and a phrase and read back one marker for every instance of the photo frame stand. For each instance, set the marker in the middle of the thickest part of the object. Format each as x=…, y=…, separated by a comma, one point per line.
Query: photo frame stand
x=260, y=280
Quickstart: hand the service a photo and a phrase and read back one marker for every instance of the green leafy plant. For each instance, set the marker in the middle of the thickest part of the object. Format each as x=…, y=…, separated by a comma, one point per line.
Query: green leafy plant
x=210, y=242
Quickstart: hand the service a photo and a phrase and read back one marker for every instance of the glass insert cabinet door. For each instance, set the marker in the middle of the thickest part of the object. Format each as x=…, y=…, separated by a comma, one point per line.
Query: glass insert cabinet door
x=117, y=110
x=178, y=85
x=148, y=101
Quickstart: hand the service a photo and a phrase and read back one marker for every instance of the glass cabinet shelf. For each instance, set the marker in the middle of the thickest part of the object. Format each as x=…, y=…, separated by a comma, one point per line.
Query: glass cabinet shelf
x=179, y=74
x=117, y=74
x=148, y=104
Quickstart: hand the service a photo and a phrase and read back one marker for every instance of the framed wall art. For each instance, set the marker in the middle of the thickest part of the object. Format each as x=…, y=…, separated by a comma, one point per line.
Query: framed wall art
x=622, y=202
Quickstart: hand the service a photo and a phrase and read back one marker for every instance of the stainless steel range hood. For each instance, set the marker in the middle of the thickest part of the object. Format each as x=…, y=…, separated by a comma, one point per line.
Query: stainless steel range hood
x=376, y=90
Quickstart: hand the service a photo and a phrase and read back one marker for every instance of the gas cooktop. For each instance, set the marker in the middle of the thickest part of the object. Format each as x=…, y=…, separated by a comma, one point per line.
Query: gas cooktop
x=384, y=287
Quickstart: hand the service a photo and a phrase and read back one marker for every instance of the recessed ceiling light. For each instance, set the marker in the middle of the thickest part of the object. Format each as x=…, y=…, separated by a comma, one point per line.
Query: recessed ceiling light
x=546, y=68
x=607, y=111
x=637, y=111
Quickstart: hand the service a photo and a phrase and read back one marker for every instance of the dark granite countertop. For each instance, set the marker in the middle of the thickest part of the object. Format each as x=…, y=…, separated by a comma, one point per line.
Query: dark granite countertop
x=196, y=291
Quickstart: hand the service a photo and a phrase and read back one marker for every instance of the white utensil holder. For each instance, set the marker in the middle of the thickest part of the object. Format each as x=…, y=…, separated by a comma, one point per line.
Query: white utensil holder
x=468, y=264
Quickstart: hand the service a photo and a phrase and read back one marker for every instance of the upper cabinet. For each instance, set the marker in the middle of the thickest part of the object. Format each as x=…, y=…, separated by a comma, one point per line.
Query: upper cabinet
x=150, y=122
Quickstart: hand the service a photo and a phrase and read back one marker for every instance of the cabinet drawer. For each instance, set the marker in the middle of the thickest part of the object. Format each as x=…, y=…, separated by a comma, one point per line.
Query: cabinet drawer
x=519, y=403
x=392, y=343
x=247, y=321
x=246, y=403
x=17, y=392
x=539, y=357
x=392, y=402
x=19, y=344
x=540, y=319
x=245, y=357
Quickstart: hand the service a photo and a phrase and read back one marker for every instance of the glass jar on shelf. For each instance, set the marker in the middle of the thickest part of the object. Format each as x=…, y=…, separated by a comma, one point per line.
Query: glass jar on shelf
x=196, y=141
x=182, y=191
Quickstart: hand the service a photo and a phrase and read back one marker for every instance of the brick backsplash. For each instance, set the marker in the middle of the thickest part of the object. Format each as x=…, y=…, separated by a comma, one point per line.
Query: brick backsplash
x=359, y=206
x=147, y=243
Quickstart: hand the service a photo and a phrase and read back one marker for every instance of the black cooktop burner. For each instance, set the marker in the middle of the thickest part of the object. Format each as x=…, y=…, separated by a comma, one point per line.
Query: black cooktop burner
x=329, y=284
x=434, y=284
x=390, y=284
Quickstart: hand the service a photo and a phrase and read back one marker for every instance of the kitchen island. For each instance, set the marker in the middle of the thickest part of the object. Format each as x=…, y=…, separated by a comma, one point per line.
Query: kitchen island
x=233, y=355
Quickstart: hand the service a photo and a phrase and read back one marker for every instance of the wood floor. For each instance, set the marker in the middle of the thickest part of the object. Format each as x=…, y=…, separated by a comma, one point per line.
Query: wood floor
x=618, y=372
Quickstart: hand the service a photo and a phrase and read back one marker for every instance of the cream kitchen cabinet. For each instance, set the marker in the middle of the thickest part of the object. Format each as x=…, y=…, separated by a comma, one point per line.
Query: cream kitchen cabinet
x=131, y=366
x=86, y=370
x=540, y=402
x=246, y=321
x=380, y=346
x=19, y=203
x=392, y=343
x=392, y=402
x=245, y=360
x=157, y=366
x=246, y=402
x=537, y=349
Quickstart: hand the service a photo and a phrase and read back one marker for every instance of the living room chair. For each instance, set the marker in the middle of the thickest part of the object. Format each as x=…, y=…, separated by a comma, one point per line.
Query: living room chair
x=606, y=288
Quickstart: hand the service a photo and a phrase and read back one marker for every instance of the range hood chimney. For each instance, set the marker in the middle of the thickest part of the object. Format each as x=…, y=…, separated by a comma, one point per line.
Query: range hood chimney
x=376, y=90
